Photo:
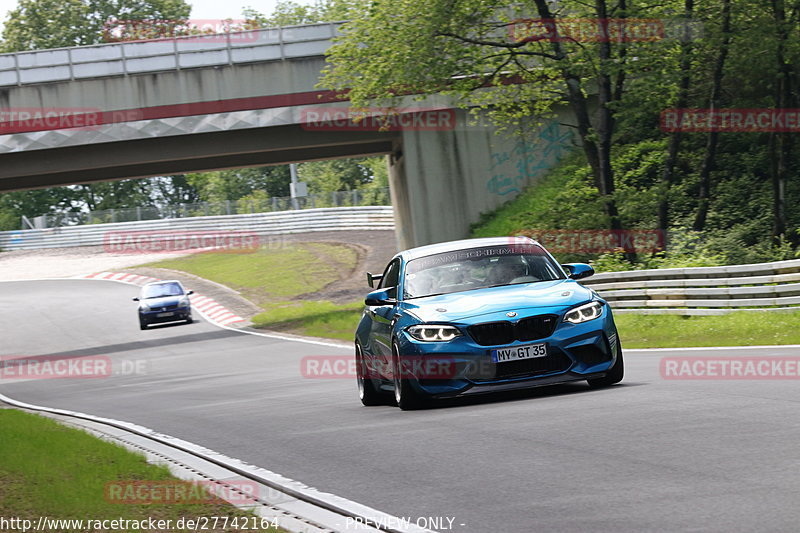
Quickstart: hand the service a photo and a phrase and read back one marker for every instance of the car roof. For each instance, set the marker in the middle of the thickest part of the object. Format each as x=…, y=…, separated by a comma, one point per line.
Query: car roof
x=465, y=244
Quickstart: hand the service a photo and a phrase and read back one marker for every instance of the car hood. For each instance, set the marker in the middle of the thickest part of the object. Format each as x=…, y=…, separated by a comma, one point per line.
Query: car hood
x=544, y=297
x=161, y=302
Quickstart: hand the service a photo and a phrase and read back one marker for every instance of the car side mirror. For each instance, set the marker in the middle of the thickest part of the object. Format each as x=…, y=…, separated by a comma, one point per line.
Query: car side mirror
x=578, y=270
x=136, y=299
x=380, y=297
x=189, y=292
x=372, y=278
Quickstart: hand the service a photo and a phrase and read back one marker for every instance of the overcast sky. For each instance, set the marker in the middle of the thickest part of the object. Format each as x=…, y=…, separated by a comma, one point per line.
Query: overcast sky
x=201, y=9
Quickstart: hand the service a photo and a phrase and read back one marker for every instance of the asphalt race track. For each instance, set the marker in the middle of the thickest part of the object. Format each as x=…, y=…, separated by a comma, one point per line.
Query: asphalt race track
x=648, y=455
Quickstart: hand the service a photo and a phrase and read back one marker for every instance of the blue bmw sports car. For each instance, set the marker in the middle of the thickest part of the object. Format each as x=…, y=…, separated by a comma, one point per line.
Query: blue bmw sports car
x=478, y=316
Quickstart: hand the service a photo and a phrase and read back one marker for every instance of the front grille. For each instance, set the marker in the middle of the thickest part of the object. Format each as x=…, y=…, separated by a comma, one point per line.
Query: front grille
x=555, y=361
x=165, y=307
x=493, y=333
x=504, y=332
x=536, y=327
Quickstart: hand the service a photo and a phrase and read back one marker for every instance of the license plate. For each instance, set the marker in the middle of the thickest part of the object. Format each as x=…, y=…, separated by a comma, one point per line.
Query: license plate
x=165, y=314
x=527, y=351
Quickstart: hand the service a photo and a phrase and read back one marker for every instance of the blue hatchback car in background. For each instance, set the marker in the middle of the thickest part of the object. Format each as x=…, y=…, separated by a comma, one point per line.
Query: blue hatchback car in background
x=164, y=301
x=479, y=316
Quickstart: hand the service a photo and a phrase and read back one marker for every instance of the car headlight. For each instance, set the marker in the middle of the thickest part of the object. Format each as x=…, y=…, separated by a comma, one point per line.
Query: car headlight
x=144, y=307
x=584, y=313
x=184, y=302
x=433, y=333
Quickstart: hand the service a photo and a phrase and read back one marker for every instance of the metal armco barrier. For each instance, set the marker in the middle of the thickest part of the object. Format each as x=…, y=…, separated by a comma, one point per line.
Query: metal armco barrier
x=702, y=290
x=262, y=224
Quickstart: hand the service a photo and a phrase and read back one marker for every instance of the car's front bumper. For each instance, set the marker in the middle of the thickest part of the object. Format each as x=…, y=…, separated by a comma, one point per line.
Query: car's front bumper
x=171, y=315
x=460, y=367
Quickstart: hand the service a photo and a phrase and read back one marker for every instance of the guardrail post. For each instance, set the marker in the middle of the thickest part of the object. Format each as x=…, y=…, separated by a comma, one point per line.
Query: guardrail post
x=177, y=54
x=71, y=67
x=228, y=206
x=124, y=59
x=228, y=46
x=138, y=213
x=17, y=69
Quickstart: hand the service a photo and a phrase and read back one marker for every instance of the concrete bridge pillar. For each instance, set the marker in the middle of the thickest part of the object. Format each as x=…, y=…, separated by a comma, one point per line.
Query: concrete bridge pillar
x=442, y=181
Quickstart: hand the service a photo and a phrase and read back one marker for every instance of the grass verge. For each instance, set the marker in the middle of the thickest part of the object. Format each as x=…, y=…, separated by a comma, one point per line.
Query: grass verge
x=266, y=274
x=50, y=470
x=318, y=319
x=278, y=279
x=272, y=277
x=742, y=328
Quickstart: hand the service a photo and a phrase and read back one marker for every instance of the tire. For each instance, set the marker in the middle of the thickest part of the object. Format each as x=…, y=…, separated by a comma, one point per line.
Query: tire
x=189, y=320
x=367, y=392
x=142, y=324
x=614, y=374
x=405, y=396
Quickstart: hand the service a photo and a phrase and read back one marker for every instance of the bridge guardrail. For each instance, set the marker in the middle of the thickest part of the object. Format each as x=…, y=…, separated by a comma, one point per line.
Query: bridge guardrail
x=173, y=53
x=262, y=224
x=702, y=290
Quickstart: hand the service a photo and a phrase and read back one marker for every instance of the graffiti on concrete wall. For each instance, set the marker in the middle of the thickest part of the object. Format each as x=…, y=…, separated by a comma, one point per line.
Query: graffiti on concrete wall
x=513, y=169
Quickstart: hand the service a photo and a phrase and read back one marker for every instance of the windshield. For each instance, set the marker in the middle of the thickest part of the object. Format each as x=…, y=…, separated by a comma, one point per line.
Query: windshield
x=478, y=268
x=161, y=290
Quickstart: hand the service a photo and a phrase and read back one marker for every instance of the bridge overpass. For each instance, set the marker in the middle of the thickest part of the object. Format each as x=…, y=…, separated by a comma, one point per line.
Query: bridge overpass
x=201, y=103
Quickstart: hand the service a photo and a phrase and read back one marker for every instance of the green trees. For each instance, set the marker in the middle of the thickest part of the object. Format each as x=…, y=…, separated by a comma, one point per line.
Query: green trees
x=487, y=55
x=238, y=183
x=288, y=13
x=38, y=24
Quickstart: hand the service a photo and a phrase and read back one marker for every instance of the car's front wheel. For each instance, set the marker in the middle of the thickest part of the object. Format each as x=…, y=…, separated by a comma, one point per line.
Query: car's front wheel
x=614, y=374
x=367, y=391
x=142, y=324
x=404, y=394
